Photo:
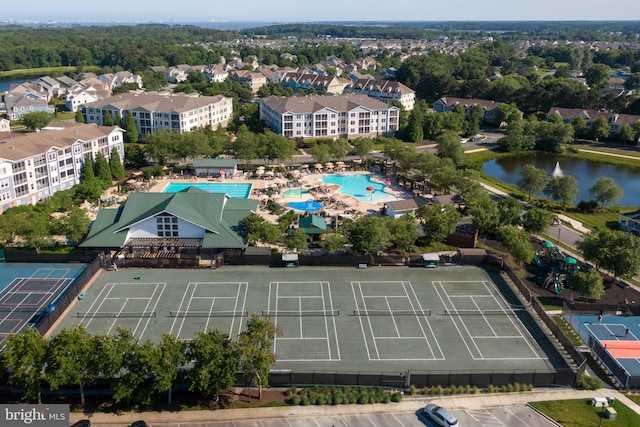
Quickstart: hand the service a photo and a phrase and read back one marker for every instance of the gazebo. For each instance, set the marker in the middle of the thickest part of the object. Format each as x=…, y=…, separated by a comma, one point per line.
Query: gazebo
x=313, y=225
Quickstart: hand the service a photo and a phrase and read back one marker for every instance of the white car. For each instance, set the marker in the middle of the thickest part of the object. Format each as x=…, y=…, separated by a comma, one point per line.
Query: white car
x=440, y=416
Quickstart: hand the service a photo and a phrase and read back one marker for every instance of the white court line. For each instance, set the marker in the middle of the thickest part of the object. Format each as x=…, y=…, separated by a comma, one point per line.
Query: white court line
x=484, y=317
x=464, y=324
x=393, y=318
x=452, y=321
x=519, y=326
x=333, y=320
x=155, y=306
x=373, y=335
x=235, y=308
x=275, y=341
x=421, y=310
x=326, y=321
x=184, y=295
x=184, y=319
x=99, y=303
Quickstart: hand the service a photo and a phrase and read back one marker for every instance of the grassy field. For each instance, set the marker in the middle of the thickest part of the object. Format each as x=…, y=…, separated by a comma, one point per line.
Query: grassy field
x=30, y=72
x=579, y=413
x=594, y=221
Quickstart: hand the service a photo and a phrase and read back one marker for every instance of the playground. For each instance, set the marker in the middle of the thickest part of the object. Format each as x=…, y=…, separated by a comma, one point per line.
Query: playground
x=340, y=319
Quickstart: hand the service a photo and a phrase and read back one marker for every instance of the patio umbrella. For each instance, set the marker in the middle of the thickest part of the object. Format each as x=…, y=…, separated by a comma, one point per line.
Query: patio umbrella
x=329, y=165
x=547, y=245
x=222, y=172
x=570, y=260
x=318, y=166
x=269, y=173
x=260, y=168
x=260, y=171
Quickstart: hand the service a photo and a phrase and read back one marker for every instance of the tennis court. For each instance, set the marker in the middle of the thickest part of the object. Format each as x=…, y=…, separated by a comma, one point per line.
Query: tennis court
x=28, y=291
x=342, y=319
x=615, y=340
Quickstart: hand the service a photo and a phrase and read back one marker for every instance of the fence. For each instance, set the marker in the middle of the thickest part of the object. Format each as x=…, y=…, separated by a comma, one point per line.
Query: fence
x=567, y=345
x=47, y=319
x=613, y=365
x=402, y=380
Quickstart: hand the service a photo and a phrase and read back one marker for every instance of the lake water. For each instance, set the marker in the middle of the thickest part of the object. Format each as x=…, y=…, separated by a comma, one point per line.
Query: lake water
x=6, y=84
x=507, y=169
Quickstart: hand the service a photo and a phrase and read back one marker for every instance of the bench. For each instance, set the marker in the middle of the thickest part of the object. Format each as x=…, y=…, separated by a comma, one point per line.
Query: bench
x=81, y=295
x=363, y=265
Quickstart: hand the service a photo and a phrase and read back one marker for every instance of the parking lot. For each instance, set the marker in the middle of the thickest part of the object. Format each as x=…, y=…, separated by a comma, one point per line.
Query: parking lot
x=506, y=416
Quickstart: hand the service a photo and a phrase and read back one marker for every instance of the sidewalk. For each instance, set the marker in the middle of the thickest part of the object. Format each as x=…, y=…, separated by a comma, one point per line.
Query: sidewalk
x=407, y=405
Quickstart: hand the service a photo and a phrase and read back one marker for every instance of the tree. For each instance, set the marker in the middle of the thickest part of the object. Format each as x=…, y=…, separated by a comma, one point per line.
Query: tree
x=103, y=171
x=600, y=128
x=333, y=242
x=257, y=229
x=605, y=191
x=131, y=130
x=36, y=120
x=115, y=165
x=320, y=152
x=25, y=357
x=484, y=211
x=255, y=350
x=626, y=134
x=438, y=221
x=614, y=250
x=79, y=117
x=449, y=146
x=518, y=243
x=537, y=221
x=562, y=189
x=215, y=361
x=532, y=180
x=161, y=145
x=171, y=356
x=88, y=174
x=296, y=240
x=507, y=113
x=509, y=211
x=363, y=147
x=68, y=359
x=579, y=125
x=75, y=223
x=368, y=234
x=597, y=76
x=588, y=284
x=403, y=233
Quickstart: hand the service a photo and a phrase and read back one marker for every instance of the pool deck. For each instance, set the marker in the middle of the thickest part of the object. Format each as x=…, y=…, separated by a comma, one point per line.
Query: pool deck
x=338, y=203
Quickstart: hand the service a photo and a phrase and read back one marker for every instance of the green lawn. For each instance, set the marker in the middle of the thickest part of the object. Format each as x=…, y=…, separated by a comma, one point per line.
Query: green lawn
x=579, y=413
x=30, y=72
x=594, y=221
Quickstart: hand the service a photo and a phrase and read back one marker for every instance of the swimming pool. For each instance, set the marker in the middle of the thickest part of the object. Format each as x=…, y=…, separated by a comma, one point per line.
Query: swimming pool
x=307, y=206
x=238, y=190
x=295, y=192
x=356, y=186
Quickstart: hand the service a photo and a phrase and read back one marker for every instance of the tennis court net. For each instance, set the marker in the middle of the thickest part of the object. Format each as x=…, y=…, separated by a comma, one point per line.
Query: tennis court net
x=192, y=313
x=19, y=308
x=494, y=312
x=366, y=313
x=117, y=314
x=298, y=313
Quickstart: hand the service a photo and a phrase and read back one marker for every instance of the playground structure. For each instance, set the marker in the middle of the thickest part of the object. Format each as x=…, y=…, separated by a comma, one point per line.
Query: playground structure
x=563, y=267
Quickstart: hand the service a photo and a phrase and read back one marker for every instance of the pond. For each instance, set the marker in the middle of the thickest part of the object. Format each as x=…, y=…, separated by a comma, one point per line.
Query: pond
x=587, y=172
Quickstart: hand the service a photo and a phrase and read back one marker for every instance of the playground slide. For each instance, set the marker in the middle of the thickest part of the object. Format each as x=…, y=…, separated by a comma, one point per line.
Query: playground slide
x=538, y=261
x=557, y=286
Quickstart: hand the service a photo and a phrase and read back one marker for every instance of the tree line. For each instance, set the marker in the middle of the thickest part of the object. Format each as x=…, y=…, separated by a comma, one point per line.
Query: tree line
x=138, y=372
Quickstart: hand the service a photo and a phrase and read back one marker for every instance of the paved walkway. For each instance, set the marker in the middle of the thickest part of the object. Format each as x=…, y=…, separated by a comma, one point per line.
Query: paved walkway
x=407, y=405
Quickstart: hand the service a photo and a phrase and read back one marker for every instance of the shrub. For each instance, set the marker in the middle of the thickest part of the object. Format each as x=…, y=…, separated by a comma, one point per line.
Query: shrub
x=363, y=399
x=438, y=390
x=305, y=402
x=295, y=400
x=292, y=391
x=386, y=398
x=337, y=399
x=413, y=390
x=396, y=397
x=587, y=382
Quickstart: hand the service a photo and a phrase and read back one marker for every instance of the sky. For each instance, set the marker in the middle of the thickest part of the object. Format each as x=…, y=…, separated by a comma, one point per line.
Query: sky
x=290, y=11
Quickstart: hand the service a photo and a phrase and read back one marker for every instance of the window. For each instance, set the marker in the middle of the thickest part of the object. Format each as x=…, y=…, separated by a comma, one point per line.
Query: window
x=167, y=226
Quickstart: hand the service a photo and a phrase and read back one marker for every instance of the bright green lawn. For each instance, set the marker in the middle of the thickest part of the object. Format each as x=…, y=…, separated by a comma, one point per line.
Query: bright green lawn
x=595, y=221
x=579, y=413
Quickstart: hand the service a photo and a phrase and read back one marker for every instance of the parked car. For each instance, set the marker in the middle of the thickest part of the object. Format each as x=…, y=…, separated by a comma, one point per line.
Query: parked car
x=139, y=423
x=82, y=423
x=440, y=416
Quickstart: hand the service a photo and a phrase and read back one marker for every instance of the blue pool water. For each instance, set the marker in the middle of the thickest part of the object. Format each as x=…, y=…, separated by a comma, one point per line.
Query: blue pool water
x=295, y=192
x=307, y=206
x=238, y=190
x=356, y=186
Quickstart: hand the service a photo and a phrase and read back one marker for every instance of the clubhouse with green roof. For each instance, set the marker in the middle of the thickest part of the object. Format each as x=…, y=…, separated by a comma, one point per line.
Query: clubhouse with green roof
x=191, y=220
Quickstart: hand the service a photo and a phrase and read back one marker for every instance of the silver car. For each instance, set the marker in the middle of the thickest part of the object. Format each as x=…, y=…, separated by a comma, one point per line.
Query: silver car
x=440, y=416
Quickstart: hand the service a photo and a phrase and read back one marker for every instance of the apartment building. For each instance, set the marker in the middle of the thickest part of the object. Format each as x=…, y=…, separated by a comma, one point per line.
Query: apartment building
x=385, y=91
x=35, y=165
x=343, y=116
x=155, y=111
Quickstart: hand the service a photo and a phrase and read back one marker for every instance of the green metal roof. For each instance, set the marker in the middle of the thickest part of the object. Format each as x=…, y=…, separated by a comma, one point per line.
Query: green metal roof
x=218, y=214
x=215, y=163
x=313, y=224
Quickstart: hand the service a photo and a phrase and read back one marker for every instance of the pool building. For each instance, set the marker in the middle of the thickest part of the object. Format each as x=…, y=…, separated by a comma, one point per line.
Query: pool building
x=181, y=223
